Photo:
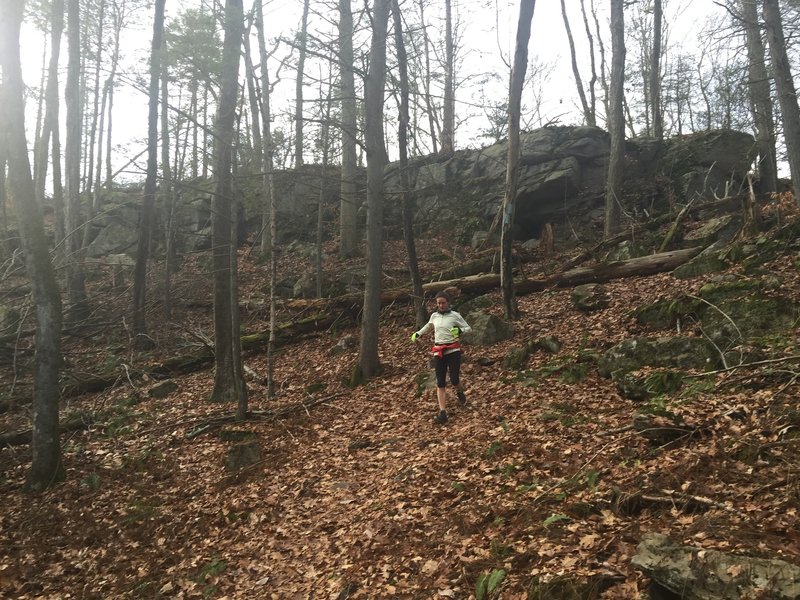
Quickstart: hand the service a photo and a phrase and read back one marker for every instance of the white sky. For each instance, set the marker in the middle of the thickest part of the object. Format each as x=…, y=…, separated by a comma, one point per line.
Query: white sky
x=490, y=25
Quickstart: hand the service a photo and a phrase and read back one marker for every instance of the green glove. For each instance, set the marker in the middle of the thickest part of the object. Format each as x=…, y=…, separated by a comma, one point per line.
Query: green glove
x=414, y=337
x=455, y=332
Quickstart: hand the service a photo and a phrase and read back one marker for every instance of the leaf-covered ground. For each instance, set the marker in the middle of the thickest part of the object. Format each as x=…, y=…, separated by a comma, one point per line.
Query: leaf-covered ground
x=361, y=495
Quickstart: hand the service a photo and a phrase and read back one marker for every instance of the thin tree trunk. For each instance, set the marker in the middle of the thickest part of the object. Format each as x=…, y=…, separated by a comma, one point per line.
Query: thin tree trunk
x=593, y=67
x=409, y=207
x=167, y=193
x=526, y=8
x=140, y=338
x=269, y=212
x=787, y=96
x=76, y=287
x=4, y=250
x=325, y=117
x=41, y=159
x=298, y=93
x=227, y=374
x=616, y=121
x=588, y=115
x=348, y=204
x=368, y=358
x=205, y=129
x=47, y=467
x=119, y=8
x=655, y=73
x=92, y=138
x=95, y=201
x=449, y=108
x=603, y=71
x=432, y=121
x=258, y=145
x=760, y=99
x=41, y=98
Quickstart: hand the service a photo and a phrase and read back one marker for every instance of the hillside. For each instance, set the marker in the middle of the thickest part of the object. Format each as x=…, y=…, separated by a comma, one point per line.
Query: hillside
x=356, y=493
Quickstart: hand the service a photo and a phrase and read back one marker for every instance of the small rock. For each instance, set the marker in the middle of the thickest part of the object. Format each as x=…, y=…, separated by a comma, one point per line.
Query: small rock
x=162, y=389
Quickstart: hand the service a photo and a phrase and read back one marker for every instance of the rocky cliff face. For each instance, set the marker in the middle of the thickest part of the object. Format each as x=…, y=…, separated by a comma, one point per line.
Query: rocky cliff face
x=562, y=182
x=562, y=177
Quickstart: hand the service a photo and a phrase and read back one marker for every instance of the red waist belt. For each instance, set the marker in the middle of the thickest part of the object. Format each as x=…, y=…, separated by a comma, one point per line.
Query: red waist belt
x=438, y=350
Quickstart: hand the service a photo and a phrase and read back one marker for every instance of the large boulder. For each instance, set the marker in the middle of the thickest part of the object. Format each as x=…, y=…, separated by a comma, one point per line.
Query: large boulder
x=562, y=173
x=706, y=574
x=709, y=161
x=487, y=329
x=672, y=352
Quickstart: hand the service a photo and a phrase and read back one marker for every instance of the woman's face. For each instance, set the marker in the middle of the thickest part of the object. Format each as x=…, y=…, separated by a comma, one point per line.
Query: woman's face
x=442, y=304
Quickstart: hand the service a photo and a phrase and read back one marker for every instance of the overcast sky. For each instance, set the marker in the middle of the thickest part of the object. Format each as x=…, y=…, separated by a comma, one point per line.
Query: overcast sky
x=489, y=30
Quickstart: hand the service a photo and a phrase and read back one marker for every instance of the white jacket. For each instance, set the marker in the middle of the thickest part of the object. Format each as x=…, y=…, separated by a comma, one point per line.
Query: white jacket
x=442, y=323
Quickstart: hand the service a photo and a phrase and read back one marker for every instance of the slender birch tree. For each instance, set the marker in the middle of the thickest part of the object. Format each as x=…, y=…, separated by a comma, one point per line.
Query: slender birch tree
x=760, y=98
x=784, y=83
x=655, y=73
x=348, y=203
x=148, y=200
x=76, y=281
x=47, y=467
x=409, y=206
x=517, y=82
x=368, y=359
x=229, y=382
x=616, y=121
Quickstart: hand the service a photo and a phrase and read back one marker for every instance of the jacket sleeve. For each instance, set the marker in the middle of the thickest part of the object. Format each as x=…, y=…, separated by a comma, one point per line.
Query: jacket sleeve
x=426, y=328
x=462, y=324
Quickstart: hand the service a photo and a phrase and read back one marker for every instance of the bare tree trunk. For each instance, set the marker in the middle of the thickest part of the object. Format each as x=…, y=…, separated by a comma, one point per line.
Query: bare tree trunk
x=47, y=467
x=409, y=207
x=250, y=74
x=194, y=111
x=325, y=117
x=95, y=201
x=655, y=73
x=603, y=72
x=269, y=212
x=3, y=199
x=118, y=17
x=41, y=158
x=92, y=138
x=593, y=67
x=616, y=121
x=784, y=84
x=432, y=120
x=449, y=108
x=76, y=287
x=58, y=190
x=348, y=205
x=760, y=99
x=227, y=346
x=38, y=132
x=526, y=8
x=140, y=338
x=167, y=193
x=368, y=359
x=588, y=115
x=298, y=94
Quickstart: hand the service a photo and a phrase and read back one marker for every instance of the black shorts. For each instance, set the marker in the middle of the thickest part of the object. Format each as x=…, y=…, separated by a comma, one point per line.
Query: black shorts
x=451, y=362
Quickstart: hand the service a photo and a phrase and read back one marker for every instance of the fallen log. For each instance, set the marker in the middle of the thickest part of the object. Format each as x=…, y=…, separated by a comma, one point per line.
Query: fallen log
x=85, y=383
x=76, y=422
x=634, y=267
x=477, y=284
x=347, y=307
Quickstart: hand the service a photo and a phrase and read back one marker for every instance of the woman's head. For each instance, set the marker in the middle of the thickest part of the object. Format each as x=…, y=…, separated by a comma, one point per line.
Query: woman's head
x=442, y=302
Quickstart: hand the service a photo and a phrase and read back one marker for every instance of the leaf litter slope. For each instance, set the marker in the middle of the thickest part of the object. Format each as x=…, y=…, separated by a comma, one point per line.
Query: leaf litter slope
x=362, y=496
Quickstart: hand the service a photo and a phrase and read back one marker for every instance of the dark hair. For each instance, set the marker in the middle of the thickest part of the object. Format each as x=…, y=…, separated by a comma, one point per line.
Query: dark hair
x=444, y=295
